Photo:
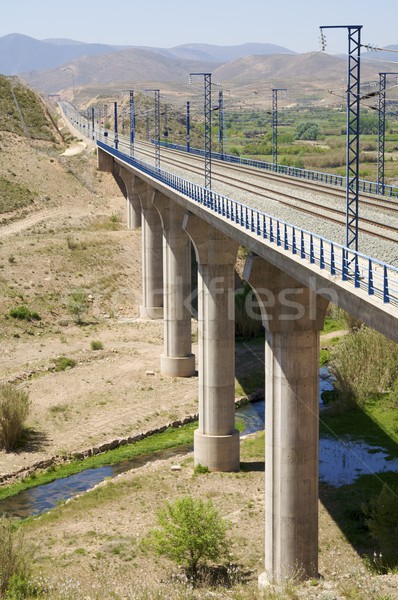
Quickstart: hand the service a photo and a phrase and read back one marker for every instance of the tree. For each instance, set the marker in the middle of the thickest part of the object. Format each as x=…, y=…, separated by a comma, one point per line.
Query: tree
x=307, y=131
x=189, y=531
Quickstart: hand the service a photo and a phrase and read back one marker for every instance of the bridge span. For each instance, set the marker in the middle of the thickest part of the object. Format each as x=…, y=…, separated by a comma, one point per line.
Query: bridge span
x=294, y=275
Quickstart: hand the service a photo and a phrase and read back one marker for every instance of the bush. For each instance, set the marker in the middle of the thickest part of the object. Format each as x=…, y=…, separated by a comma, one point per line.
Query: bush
x=63, y=362
x=24, y=313
x=381, y=517
x=78, y=304
x=307, y=131
x=201, y=470
x=96, y=345
x=364, y=363
x=189, y=531
x=14, y=409
x=13, y=559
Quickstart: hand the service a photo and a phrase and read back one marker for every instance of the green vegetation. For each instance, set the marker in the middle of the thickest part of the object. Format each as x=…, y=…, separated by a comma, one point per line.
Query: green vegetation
x=381, y=517
x=201, y=470
x=78, y=304
x=364, y=363
x=190, y=531
x=334, y=322
x=14, y=563
x=307, y=131
x=14, y=409
x=170, y=438
x=63, y=362
x=14, y=195
x=24, y=313
x=96, y=345
x=311, y=138
x=22, y=112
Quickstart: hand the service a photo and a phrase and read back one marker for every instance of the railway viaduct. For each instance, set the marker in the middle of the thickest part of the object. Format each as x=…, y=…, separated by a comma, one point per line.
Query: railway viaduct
x=294, y=275
x=293, y=295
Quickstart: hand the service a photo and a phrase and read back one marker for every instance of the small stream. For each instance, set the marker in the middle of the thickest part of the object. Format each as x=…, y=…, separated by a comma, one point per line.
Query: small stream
x=341, y=462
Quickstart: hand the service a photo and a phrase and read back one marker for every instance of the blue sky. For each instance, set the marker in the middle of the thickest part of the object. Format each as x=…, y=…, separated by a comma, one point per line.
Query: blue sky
x=166, y=23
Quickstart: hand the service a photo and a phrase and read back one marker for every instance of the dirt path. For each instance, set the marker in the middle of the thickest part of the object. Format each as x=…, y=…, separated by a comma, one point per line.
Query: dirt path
x=32, y=220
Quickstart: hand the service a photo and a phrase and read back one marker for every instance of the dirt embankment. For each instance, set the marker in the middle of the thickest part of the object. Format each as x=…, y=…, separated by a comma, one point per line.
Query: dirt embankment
x=72, y=237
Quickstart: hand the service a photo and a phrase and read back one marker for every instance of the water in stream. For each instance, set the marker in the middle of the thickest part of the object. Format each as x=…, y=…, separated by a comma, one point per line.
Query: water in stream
x=341, y=461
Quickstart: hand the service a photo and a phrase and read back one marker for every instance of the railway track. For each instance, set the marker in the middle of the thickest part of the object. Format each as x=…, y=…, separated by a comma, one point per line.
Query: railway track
x=265, y=186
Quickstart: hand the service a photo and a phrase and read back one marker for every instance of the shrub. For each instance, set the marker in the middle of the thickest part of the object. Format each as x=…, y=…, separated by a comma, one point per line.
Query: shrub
x=201, y=470
x=364, y=363
x=24, y=313
x=63, y=362
x=189, y=531
x=307, y=131
x=14, y=409
x=78, y=304
x=96, y=345
x=13, y=558
x=381, y=517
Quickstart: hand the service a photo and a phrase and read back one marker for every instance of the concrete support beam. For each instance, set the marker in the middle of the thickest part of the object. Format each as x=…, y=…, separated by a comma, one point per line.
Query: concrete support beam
x=216, y=443
x=152, y=254
x=177, y=360
x=105, y=161
x=293, y=315
x=133, y=201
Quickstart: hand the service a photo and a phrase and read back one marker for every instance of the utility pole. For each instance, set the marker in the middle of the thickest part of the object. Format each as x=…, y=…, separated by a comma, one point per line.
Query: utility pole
x=275, y=126
x=188, y=138
x=352, y=152
x=221, y=124
x=207, y=126
x=132, y=121
x=115, y=125
x=157, y=127
x=93, y=121
x=381, y=137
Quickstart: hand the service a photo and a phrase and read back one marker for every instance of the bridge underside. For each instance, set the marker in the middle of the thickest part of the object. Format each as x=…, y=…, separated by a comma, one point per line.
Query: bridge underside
x=292, y=313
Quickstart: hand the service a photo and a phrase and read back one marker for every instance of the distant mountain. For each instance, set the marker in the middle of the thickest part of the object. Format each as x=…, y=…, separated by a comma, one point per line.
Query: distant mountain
x=22, y=54
x=143, y=66
x=132, y=65
x=224, y=54
x=288, y=67
x=63, y=42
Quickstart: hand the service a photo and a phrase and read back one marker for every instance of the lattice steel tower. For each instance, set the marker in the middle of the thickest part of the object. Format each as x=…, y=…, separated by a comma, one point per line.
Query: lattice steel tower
x=381, y=137
x=207, y=127
x=352, y=152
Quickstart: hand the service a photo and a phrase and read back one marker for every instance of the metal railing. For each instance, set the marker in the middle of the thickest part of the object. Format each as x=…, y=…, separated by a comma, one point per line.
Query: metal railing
x=369, y=187
x=373, y=276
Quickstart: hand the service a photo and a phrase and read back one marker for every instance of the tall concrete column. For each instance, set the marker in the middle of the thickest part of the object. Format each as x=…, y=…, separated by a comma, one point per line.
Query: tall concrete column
x=133, y=201
x=216, y=442
x=293, y=315
x=152, y=254
x=177, y=360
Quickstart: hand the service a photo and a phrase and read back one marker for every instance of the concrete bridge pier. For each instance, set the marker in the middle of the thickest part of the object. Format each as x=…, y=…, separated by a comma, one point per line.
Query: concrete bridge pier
x=152, y=254
x=293, y=316
x=106, y=163
x=216, y=441
x=133, y=201
x=177, y=360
